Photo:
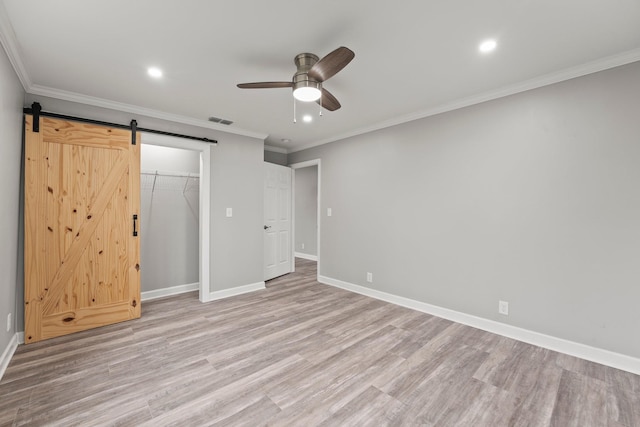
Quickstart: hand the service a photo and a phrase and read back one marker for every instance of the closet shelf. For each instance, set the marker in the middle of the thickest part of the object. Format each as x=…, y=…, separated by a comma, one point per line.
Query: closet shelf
x=168, y=180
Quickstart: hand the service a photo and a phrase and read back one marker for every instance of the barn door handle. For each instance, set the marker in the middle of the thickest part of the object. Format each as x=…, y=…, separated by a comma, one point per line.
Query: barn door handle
x=135, y=222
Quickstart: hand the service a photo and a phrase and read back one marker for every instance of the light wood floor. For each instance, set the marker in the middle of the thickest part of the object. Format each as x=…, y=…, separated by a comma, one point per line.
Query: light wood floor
x=303, y=354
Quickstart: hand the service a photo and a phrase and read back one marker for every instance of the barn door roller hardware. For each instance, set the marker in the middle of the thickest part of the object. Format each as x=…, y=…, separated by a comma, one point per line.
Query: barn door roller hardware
x=36, y=111
x=134, y=129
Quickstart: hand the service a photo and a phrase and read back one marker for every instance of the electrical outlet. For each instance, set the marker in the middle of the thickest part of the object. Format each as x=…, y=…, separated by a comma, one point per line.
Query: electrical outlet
x=503, y=307
x=303, y=246
x=370, y=277
x=229, y=212
x=9, y=322
x=329, y=212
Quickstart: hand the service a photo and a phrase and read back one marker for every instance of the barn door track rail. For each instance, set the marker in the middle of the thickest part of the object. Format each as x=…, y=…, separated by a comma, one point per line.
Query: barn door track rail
x=36, y=111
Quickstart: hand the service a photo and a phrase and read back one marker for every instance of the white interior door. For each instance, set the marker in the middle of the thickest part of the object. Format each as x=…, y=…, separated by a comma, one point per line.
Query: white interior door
x=277, y=220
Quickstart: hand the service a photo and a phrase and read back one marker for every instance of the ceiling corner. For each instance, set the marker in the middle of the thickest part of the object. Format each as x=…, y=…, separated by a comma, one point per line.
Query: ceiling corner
x=10, y=44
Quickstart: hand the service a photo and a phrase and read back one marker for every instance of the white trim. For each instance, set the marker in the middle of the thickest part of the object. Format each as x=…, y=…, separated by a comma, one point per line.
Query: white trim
x=300, y=165
x=292, y=197
x=205, y=224
x=231, y=292
x=7, y=354
x=598, y=355
x=20, y=337
x=305, y=164
x=305, y=256
x=165, y=292
x=35, y=89
x=275, y=149
x=544, y=80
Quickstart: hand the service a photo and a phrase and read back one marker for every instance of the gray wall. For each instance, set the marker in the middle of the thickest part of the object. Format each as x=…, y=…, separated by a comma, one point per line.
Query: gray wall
x=237, y=183
x=169, y=212
x=277, y=158
x=533, y=199
x=306, y=210
x=11, y=99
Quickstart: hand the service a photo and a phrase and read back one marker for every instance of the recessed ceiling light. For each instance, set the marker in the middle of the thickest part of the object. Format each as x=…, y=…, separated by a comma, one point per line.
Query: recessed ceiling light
x=307, y=118
x=154, y=72
x=285, y=140
x=487, y=46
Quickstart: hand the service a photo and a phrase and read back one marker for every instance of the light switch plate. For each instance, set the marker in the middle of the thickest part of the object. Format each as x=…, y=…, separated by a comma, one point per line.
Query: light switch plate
x=328, y=211
x=229, y=212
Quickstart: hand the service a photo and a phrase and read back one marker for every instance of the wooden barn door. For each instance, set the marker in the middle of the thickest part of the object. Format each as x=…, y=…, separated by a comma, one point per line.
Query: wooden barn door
x=82, y=190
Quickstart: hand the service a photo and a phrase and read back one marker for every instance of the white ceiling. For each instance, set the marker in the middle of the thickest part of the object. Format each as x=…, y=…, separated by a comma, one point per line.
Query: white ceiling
x=413, y=58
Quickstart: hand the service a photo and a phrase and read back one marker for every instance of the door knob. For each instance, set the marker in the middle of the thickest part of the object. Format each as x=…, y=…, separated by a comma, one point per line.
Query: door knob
x=266, y=227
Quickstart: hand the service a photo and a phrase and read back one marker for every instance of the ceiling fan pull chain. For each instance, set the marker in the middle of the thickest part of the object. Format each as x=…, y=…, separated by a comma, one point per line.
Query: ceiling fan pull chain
x=320, y=102
x=294, y=110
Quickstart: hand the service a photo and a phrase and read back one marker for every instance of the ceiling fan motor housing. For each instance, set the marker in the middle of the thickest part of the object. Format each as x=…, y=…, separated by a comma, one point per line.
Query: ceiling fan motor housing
x=304, y=62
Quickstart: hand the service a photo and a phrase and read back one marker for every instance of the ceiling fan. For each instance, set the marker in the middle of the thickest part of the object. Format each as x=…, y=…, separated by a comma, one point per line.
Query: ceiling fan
x=311, y=73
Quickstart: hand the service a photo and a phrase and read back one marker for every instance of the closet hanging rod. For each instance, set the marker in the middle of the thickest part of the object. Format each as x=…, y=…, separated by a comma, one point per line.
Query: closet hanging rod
x=36, y=111
x=172, y=174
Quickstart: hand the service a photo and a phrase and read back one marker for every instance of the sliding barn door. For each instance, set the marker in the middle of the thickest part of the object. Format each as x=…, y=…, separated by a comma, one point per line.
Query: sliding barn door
x=82, y=190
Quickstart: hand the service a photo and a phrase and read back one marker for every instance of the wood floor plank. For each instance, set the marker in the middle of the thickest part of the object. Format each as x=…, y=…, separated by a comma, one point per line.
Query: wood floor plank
x=371, y=404
x=583, y=401
x=480, y=405
x=443, y=382
x=303, y=353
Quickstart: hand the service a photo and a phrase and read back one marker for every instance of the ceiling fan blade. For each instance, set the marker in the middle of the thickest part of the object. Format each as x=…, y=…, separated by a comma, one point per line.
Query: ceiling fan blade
x=328, y=66
x=328, y=101
x=265, y=85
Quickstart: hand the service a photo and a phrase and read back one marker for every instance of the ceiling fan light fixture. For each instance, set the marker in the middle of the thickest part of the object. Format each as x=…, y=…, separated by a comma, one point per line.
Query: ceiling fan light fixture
x=307, y=93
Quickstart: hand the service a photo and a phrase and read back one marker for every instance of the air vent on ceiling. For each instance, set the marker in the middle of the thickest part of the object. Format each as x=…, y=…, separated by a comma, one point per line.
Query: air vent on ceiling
x=219, y=120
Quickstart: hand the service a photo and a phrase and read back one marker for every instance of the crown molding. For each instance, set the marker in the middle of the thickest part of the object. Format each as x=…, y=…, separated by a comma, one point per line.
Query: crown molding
x=275, y=149
x=10, y=44
x=537, y=82
x=134, y=109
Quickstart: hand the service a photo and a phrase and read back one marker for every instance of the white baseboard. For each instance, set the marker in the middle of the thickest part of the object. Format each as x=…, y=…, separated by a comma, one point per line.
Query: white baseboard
x=7, y=354
x=305, y=256
x=226, y=293
x=598, y=355
x=174, y=290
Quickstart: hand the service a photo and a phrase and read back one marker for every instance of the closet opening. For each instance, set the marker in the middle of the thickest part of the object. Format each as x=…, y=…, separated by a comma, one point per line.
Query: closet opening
x=174, y=216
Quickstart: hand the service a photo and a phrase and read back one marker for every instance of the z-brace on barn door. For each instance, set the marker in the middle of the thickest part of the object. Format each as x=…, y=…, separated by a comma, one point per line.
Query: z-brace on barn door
x=82, y=204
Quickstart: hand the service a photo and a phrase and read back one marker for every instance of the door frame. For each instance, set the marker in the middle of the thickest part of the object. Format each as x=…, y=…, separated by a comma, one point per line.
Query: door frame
x=204, y=273
x=300, y=165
